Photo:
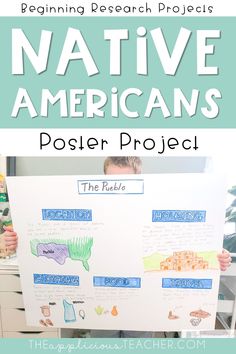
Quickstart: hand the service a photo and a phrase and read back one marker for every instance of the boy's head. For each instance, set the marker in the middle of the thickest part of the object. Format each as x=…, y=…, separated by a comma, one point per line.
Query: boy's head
x=117, y=165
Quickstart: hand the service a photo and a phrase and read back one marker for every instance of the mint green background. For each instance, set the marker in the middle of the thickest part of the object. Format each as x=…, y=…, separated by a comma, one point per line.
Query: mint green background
x=200, y=346
x=76, y=77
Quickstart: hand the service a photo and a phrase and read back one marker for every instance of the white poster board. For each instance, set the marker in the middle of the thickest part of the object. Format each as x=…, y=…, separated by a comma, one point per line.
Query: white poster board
x=135, y=252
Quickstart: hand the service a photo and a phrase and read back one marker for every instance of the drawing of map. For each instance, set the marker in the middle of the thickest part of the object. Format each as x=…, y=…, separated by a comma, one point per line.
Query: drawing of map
x=78, y=249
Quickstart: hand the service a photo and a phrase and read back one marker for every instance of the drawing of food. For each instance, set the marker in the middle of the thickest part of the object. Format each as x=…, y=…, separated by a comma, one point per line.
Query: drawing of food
x=77, y=249
x=45, y=310
x=43, y=323
x=195, y=321
x=200, y=314
x=46, y=323
x=184, y=261
x=49, y=322
x=171, y=316
x=99, y=310
x=114, y=311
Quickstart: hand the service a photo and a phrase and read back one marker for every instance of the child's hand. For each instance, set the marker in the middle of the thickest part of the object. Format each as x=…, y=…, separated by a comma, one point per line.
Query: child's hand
x=224, y=260
x=10, y=238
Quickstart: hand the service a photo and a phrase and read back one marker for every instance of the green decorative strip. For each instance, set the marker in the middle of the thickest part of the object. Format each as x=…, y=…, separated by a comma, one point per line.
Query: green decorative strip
x=125, y=345
x=93, y=93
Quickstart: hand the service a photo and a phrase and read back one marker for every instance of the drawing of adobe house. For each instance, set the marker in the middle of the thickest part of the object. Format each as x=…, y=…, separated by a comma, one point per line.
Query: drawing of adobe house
x=184, y=261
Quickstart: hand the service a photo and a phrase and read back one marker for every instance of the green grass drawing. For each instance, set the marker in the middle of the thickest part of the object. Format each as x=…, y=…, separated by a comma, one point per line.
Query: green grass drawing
x=33, y=246
x=80, y=249
x=152, y=262
x=211, y=257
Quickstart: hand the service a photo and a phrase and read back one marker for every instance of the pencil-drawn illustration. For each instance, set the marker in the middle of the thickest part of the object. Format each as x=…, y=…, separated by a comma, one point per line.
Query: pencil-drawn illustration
x=80, y=250
x=184, y=261
x=52, y=250
x=200, y=314
x=69, y=312
x=172, y=316
x=42, y=323
x=99, y=310
x=46, y=323
x=45, y=310
x=195, y=321
x=102, y=311
x=82, y=314
x=181, y=261
x=114, y=311
x=77, y=249
x=49, y=322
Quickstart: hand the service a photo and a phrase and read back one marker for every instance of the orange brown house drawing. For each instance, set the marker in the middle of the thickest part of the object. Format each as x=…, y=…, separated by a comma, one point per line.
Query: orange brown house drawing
x=184, y=261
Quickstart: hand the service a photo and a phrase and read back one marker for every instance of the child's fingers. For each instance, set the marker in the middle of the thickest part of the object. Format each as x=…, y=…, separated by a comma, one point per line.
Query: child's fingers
x=10, y=239
x=224, y=255
x=223, y=269
x=8, y=228
x=224, y=259
x=225, y=252
x=10, y=234
x=11, y=243
x=225, y=264
x=12, y=247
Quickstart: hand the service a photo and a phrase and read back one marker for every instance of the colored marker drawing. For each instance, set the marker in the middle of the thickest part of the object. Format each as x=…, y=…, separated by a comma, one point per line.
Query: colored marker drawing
x=77, y=249
x=184, y=261
x=51, y=250
x=181, y=261
x=200, y=314
x=69, y=312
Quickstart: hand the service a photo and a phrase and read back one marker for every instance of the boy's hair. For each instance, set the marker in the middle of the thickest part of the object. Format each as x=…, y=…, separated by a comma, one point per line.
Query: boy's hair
x=124, y=161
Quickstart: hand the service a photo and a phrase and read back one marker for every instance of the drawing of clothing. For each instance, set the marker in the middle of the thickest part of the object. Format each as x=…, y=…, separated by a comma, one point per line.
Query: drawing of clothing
x=69, y=312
